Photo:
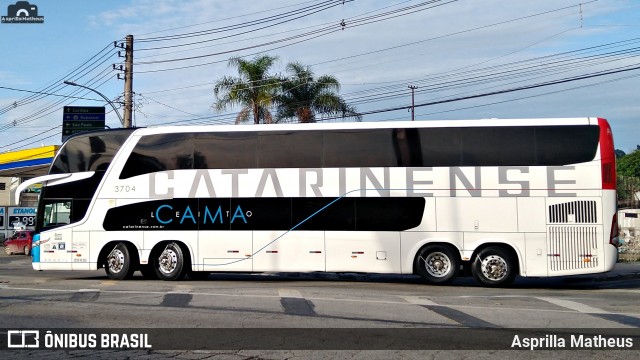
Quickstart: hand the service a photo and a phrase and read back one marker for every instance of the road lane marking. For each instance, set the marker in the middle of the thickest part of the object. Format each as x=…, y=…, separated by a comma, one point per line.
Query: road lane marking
x=418, y=300
x=290, y=293
x=183, y=288
x=632, y=291
x=109, y=283
x=369, y=301
x=450, y=313
x=623, y=319
x=573, y=305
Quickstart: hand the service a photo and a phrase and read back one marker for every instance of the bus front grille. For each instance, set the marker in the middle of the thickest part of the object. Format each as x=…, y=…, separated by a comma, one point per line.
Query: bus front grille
x=572, y=247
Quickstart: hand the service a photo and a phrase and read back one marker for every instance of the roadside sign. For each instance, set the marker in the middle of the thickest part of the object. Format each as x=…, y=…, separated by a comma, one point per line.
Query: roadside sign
x=77, y=119
x=22, y=217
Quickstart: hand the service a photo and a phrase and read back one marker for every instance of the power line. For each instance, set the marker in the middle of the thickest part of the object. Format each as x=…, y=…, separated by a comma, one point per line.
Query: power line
x=56, y=84
x=220, y=20
x=301, y=13
x=355, y=22
x=270, y=34
x=45, y=93
x=54, y=106
x=520, y=88
x=452, y=34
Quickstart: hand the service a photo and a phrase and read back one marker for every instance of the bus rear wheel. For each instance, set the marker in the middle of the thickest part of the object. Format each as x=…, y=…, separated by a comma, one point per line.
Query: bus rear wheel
x=118, y=263
x=437, y=264
x=494, y=266
x=169, y=264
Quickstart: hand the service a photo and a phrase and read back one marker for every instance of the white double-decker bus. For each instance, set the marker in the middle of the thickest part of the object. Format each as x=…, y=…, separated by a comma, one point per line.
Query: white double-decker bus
x=497, y=198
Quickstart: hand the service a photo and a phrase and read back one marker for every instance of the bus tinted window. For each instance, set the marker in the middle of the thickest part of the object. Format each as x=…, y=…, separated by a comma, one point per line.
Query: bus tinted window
x=359, y=148
x=503, y=146
x=290, y=149
x=89, y=152
x=432, y=147
x=440, y=147
x=561, y=145
x=225, y=150
x=159, y=153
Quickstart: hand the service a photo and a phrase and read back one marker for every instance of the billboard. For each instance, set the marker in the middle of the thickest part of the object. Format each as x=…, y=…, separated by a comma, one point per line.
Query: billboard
x=21, y=218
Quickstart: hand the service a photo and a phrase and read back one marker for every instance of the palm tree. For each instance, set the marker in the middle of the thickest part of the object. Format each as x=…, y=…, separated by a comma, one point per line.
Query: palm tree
x=254, y=89
x=303, y=97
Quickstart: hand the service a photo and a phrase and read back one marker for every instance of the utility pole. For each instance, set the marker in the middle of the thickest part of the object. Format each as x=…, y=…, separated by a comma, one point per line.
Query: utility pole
x=413, y=88
x=128, y=81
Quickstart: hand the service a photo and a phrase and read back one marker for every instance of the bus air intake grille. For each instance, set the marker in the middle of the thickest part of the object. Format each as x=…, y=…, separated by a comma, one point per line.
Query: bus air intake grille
x=574, y=212
x=572, y=247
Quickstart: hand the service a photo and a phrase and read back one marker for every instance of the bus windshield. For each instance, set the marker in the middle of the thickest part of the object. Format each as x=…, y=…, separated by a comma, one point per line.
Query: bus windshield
x=67, y=203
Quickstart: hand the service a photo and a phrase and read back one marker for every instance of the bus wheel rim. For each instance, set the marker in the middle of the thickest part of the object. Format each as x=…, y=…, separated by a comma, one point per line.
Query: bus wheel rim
x=494, y=268
x=116, y=261
x=168, y=261
x=437, y=264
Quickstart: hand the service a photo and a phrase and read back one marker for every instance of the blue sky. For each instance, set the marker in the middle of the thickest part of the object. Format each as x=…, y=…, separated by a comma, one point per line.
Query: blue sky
x=436, y=48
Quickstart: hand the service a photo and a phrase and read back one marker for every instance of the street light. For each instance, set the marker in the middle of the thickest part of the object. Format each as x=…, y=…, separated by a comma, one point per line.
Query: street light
x=67, y=82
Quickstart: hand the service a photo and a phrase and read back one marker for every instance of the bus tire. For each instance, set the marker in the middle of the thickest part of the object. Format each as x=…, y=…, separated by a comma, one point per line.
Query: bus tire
x=148, y=272
x=169, y=264
x=118, y=264
x=437, y=264
x=494, y=266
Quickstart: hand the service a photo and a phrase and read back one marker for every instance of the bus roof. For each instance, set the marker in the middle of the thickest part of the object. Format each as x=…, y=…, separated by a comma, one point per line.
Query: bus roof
x=369, y=125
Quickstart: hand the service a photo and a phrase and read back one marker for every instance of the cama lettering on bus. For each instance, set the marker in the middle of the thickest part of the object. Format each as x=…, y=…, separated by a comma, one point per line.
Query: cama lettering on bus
x=165, y=214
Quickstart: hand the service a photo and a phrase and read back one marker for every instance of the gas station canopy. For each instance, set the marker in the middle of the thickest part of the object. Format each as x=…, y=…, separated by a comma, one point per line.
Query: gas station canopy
x=27, y=163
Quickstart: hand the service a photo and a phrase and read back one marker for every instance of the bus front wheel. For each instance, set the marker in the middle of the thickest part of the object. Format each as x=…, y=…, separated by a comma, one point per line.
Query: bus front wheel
x=494, y=266
x=169, y=264
x=438, y=264
x=118, y=263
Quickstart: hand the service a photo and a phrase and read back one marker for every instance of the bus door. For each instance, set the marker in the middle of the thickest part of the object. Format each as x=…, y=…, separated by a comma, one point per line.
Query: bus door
x=56, y=241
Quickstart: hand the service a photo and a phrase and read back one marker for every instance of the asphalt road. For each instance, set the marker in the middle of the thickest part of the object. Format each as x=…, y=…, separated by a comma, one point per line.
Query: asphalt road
x=456, y=321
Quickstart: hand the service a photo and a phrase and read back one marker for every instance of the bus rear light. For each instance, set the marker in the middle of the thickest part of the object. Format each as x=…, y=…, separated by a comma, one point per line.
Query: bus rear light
x=607, y=156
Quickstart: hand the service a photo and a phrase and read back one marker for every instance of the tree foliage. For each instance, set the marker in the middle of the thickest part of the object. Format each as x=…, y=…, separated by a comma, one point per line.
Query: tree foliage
x=629, y=165
x=304, y=97
x=254, y=89
x=298, y=96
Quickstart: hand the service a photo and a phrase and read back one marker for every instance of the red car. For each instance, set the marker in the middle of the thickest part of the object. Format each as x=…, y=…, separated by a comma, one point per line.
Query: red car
x=20, y=242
